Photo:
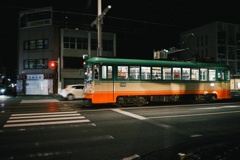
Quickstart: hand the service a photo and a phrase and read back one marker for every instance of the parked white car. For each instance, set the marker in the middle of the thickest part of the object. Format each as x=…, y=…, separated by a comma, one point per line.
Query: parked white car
x=72, y=92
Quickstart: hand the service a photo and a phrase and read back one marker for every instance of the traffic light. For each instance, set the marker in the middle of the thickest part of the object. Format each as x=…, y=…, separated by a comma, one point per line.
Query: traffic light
x=52, y=65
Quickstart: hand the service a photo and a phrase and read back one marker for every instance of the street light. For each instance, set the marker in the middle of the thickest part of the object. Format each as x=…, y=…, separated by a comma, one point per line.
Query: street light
x=98, y=22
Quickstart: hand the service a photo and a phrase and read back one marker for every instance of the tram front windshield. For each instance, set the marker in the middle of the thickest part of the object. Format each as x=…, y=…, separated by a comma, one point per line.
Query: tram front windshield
x=88, y=74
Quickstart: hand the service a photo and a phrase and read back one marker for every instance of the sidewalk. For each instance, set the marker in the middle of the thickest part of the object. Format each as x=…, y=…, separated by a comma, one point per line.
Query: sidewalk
x=38, y=97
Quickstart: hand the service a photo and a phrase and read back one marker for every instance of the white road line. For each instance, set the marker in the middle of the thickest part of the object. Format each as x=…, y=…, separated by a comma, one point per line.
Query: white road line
x=42, y=113
x=192, y=115
x=44, y=119
x=40, y=101
x=45, y=123
x=132, y=157
x=42, y=116
x=223, y=107
x=130, y=114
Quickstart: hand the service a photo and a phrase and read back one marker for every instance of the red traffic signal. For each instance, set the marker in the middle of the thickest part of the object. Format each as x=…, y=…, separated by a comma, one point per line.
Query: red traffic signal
x=52, y=65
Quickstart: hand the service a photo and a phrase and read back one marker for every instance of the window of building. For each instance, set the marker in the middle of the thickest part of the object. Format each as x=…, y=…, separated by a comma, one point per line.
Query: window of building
x=176, y=73
x=134, y=72
x=32, y=45
x=107, y=45
x=145, y=73
x=195, y=74
x=72, y=62
x=69, y=42
x=212, y=74
x=26, y=45
x=40, y=44
x=156, y=73
x=82, y=43
x=66, y=41
x=186, y=74
x=203, y=74
x=94, y=44
x=36, y=64
x=167, y=72
x=72, y=43
x=32, y=64
x=45, y=44
x=36, y=44
x=122, y=72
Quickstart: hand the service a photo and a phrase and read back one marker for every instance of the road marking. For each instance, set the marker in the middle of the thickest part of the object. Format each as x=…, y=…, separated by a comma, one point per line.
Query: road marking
x=49, y=118
x=130, y=114
x=40, y=101
x=43, y=116
x=32, y=114
x=195, y=135
x=192, y=115
x=44, y=119
x=45, y=123
x=218, y=107
x=132, y=157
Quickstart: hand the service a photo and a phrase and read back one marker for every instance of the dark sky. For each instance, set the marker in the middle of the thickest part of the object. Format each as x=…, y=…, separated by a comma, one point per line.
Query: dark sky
x=141, y=25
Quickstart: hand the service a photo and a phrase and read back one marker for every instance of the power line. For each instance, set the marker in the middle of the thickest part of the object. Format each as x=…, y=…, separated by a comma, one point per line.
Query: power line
x=110, y=17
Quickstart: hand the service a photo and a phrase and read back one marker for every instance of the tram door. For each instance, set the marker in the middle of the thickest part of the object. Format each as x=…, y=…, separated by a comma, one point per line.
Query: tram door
x=107, y=83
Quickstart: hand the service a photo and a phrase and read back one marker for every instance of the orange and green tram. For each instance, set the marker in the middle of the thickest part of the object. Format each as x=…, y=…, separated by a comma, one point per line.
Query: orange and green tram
x=132, y=81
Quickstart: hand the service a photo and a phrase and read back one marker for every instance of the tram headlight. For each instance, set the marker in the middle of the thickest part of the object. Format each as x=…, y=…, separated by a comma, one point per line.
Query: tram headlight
x=90, y=90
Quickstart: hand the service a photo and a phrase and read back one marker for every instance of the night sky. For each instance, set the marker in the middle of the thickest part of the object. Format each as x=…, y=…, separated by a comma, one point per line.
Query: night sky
x=141, y=25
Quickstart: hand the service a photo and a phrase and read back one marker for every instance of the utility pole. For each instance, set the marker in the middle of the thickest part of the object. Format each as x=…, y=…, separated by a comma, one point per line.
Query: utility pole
x=99, y=21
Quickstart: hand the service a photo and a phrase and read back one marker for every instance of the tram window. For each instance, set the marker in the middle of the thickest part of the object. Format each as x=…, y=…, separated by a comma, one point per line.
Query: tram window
x=186, y=73
x=104, y=72
x=88, y=73
x=109, y=72
x=122, y=72
x=134, y=72
x=167, y=73
x=212, y=74
x=228, y=75
x=156, y=73
x=219, y=75
x=145, y=73
x=96, y=72
x=176, y=73
x=195, y=74
x=223, y=75
x=203, y=74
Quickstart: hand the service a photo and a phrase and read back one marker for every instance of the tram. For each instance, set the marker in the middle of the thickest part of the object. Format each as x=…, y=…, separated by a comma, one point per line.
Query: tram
x=138, y=82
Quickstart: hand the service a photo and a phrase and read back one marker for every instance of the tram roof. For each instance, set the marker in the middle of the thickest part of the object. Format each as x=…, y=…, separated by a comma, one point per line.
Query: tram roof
x=152, y=62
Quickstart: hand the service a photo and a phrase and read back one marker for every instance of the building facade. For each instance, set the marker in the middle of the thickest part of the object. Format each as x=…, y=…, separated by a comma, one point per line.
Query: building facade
x=40, y=43
x=76, y=43
x=217, y=41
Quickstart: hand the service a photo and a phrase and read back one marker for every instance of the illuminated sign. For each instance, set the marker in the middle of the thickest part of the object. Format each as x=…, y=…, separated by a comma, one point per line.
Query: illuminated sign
x=35, y=76
x=35, y=18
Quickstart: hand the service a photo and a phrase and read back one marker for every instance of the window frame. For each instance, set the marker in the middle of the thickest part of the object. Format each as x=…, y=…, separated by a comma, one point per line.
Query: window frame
x=145, y=79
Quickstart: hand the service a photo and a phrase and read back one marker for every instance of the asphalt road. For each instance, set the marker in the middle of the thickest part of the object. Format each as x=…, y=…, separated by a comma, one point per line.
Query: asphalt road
x=46, y=128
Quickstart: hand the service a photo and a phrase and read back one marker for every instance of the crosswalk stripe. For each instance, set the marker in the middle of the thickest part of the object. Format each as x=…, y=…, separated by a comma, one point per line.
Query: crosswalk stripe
x=48, y=118
x=45, y=123
x=43, y=116
x=44, y=119
x=32, y=114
